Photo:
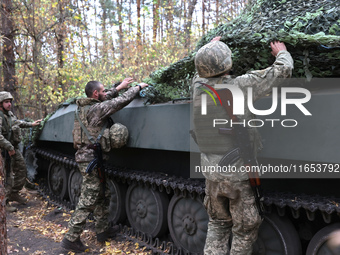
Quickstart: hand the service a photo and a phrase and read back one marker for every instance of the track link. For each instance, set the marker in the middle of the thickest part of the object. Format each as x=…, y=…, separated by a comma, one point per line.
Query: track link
x=283, y=203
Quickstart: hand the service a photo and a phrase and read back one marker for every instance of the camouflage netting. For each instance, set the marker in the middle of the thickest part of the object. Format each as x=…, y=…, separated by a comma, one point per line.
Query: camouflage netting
x=310, y=29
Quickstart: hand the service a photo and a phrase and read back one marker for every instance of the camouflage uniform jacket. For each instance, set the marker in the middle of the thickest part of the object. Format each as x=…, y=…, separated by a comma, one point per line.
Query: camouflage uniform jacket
x=213, y=145
x=10, y=124
x=98, y=114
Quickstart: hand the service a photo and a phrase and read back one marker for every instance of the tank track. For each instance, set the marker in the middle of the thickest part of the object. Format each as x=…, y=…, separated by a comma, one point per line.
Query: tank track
x=298, y=204
x=294, y=204
x=160, y=181
x=157, y=181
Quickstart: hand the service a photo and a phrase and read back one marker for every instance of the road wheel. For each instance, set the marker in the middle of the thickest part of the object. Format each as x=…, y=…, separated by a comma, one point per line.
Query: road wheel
x=57, y=180
x=277, y=236
x=117, y=202
x=188, y=223
x=74, y=186
x=146, y=210
x=321, y=244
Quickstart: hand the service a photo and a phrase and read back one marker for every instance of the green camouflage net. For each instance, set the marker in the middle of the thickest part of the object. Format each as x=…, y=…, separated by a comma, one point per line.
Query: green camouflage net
x=310, y=29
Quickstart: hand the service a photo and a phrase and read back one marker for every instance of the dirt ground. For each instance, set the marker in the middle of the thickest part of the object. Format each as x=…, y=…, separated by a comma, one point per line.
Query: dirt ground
x=38, y=228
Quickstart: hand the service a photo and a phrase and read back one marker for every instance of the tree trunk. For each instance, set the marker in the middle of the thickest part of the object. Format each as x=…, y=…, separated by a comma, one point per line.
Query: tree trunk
x=120, y=32
x=96, y=39
x=60, y=43
x=139, y=37
x=155, y=12
x=3, y=228
x=82, y=45
x=130, y=16
x=104, y=31
x=170, y=18
x=36, y=53
x=187, y=28
x=184, y=14
x=160, y=25
x=203, y=18
x=209, y=18
x=180, y=18
x=86, y=32
x=112, y=36
x=144, y=31
x=1, y=55
x=10, y=80
x=217, y=12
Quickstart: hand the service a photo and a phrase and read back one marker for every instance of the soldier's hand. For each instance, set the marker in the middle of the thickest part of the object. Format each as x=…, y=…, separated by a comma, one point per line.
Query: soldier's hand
x=125, y=83
x=217, y=38
x=143, y=85
x=36, y=123
x=277, y=47
x=11, y=153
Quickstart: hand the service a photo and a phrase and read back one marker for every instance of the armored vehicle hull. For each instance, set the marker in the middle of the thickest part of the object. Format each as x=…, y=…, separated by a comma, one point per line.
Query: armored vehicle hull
x=154, y=197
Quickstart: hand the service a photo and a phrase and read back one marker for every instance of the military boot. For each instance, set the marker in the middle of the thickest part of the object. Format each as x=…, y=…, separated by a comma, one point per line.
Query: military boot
x=10, y=208
x=76, y=246
x=17, y=198
x=109, y=233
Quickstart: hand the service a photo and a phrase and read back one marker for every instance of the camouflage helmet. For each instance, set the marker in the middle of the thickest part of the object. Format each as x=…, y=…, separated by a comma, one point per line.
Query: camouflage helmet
x=4, y=95
x=213, y=59
x=119, y=135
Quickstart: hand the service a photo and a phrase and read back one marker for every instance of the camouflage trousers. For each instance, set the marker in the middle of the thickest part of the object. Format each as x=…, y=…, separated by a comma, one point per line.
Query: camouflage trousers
x=16, y=179
x=91, y=200
x=232, y=210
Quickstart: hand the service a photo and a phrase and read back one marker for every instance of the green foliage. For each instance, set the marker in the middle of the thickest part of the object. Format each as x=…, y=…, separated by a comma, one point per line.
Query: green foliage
x=57, y=85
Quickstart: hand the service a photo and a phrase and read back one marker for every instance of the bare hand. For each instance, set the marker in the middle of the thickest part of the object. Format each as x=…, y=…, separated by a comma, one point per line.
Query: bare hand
x=143, y=85
x=277, y=47
x=217, y=38
x=125, y=83
x=11, y=153
x=36, y=123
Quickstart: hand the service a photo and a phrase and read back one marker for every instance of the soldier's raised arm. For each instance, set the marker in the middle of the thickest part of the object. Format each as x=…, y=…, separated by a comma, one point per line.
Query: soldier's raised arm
x=113, y=92
x=264, y=80
x=98, y=112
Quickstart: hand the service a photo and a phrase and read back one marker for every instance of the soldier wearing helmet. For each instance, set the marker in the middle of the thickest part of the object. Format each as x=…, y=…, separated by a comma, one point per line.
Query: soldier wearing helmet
x=10, y=137
x=90, y=127
x=229, y=200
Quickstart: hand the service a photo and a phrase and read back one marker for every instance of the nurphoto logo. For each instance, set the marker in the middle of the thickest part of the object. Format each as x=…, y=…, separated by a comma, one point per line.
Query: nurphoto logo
x=238, y=104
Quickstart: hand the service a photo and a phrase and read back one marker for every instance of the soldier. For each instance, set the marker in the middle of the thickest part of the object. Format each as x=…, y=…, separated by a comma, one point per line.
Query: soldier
x=229, y=198
x=94, y=113
x=10, y=137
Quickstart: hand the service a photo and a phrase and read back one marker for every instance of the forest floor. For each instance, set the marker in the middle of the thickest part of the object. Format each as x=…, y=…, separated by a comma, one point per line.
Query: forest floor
x=38, y=228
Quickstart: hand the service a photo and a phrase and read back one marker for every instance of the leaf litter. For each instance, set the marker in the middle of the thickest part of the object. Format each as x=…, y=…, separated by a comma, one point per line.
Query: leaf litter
x=41, y=220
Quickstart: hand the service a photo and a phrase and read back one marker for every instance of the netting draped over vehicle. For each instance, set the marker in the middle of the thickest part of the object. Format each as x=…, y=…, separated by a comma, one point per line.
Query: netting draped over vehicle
x=310, y=29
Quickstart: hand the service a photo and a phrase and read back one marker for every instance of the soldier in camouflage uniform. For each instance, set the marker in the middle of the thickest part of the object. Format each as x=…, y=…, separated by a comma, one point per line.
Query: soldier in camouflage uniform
x=10, y=137
x=229, y=198
x=94, y=112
